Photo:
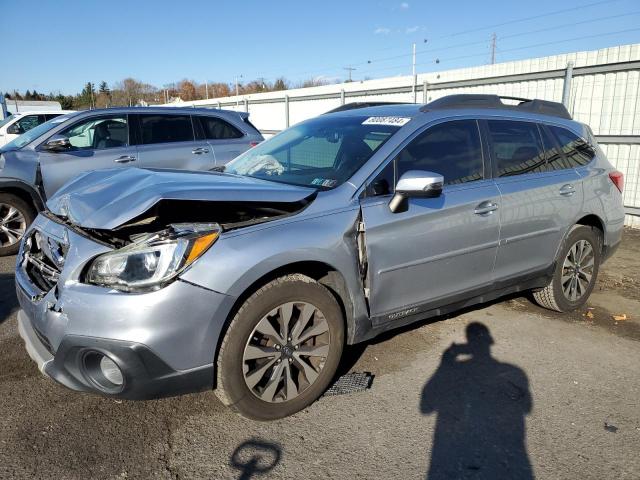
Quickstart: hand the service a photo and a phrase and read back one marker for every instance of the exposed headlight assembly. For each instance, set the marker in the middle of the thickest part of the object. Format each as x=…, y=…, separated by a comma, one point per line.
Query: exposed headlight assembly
x=153, y=260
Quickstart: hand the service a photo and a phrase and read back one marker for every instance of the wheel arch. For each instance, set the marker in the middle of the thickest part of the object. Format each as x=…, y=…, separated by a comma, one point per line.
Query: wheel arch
x=24, y=191
x=596, y=222
x=322, y=272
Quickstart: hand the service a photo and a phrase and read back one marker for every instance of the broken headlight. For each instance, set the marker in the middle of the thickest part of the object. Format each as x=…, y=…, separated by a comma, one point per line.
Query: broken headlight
x=153, y=259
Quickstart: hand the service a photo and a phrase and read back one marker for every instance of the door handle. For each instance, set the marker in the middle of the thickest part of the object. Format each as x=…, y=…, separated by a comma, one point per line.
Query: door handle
x=125, y=159
x=199, y=150
x=567, y=190
x=486, y=208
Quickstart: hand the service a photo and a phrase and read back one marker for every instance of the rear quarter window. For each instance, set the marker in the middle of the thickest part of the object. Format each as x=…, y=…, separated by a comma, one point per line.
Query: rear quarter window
x=576, y=150
x=214, y=128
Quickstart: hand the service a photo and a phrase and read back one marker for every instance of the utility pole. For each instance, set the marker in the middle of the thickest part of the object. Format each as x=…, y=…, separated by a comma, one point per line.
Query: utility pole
x=494, y=40
x=206, y=89
x=349, y=69
x=413, y=72
x=238, y=91
x=413, y=61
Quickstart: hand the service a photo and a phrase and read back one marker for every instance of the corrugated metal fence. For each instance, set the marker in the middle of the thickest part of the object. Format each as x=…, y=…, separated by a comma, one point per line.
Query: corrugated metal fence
x=600, y=88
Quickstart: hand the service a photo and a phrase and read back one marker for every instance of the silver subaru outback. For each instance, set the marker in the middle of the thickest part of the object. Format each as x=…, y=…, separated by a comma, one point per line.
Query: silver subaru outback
x=142, y=283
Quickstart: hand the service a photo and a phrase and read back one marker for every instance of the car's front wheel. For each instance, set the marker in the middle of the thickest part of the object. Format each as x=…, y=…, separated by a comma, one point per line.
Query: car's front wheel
x=576, y=271
x=281, y=349
x=15, y=216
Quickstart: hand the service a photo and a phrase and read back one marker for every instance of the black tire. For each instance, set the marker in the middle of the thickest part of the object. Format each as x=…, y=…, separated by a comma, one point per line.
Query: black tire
x=25, y=209
x=232, y=389
x=553, y=296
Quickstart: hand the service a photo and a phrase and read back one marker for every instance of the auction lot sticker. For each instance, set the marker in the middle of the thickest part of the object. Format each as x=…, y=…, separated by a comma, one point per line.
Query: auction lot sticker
x=392, y=121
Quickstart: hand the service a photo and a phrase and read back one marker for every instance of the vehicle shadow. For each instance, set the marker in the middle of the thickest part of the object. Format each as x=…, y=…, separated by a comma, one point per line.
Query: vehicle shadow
x=481, y=405
x=8, y=299
x=255, y=457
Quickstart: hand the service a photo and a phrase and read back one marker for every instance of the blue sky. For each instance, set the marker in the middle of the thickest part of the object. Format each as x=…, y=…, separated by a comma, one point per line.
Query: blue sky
x=60, y=45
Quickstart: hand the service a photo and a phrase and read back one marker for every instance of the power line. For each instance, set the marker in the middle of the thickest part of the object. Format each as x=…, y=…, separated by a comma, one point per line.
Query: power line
x=463, y=32
x=519, y=34
x=525, y=19
x=475, y=55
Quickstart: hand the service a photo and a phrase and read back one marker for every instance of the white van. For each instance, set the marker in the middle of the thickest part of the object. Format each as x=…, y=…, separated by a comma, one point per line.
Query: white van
x=18, y=123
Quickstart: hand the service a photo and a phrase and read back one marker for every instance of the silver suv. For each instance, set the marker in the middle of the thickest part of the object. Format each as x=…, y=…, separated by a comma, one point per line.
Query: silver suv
x=140, y=283
x=39, y=162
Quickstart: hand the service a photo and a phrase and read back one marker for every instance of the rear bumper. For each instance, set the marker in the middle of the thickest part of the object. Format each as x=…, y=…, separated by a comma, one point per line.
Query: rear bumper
x=145, y=375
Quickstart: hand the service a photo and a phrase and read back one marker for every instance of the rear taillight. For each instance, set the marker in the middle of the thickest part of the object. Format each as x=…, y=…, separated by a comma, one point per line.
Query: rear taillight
x=618, y=180
x=253, y=144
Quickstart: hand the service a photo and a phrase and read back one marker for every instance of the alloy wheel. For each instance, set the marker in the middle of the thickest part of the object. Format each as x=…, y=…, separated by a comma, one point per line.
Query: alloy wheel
x=577, y=270
x=286, y=352
x=12, y=225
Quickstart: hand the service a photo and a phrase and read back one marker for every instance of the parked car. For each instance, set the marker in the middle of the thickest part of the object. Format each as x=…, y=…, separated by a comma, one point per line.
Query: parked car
x=36, y=164
x=15, y=125
x=141, y=283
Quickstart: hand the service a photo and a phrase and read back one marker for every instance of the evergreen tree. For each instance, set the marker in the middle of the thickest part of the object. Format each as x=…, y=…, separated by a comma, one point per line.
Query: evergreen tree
x=104, y=88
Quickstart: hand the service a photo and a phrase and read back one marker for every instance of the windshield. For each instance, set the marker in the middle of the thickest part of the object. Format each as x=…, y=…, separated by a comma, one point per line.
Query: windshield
x=7, y=120
x=323, y=153
x=34, y=133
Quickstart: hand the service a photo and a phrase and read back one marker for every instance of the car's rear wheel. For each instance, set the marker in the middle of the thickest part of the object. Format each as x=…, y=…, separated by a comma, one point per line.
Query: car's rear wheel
x=15, y=216
x=281, y=349
x=576, y=271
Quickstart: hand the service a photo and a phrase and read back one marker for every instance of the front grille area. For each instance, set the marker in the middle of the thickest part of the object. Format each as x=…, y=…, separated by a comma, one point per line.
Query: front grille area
x=43, y=260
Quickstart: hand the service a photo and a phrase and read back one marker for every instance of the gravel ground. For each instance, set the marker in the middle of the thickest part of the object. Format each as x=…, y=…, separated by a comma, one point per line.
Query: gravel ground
x=538, y=395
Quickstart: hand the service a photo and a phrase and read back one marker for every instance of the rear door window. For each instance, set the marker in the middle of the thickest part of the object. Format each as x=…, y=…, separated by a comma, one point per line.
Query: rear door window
x=575, y=149
x=214, y=128
x=163, y=128
x=517, y=147
x=452, y=149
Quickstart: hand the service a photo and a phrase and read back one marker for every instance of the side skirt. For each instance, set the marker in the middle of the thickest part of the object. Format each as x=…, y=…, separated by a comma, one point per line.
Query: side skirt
x=416, y=313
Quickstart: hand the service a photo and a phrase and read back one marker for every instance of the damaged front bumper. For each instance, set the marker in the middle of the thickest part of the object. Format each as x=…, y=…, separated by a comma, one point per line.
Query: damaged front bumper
x=162, y=341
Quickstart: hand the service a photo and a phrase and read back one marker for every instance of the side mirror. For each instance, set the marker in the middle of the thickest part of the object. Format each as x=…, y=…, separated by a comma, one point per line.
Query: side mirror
x=57, y=143
x=416, y=183
x=14, y=129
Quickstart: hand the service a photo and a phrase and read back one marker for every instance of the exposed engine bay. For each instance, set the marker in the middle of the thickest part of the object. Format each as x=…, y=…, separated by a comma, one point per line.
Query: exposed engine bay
x=165, y=213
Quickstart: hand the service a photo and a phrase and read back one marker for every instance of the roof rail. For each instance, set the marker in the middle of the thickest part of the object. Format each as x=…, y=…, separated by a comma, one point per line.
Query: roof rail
x=542, y=107
x=354, y=105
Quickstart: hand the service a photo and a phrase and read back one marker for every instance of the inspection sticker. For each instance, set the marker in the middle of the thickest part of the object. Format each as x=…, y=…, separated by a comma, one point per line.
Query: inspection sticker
x=392, y=121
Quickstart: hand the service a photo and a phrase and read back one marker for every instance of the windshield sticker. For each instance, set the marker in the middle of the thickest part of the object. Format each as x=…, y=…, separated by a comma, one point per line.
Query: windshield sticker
x=324, y=182
x=391, y=121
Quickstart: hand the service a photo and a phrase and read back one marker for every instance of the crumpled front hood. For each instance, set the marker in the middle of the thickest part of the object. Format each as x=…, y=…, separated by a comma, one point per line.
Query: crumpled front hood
x=106, y=199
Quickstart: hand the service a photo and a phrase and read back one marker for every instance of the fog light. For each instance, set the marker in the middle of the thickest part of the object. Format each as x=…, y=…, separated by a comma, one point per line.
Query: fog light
x=102, y=372
x=111, y=371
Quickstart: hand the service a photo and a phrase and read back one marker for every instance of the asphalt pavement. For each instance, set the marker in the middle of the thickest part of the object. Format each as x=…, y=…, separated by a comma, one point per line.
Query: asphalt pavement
x=506, y=390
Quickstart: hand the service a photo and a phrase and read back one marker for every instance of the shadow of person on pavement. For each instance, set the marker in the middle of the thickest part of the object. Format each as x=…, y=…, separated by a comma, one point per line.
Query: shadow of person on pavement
x=481, y=406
